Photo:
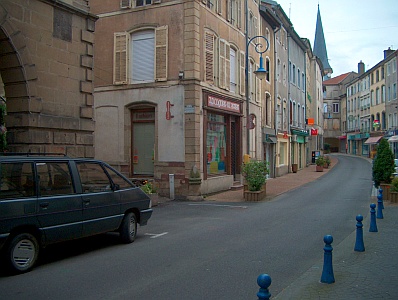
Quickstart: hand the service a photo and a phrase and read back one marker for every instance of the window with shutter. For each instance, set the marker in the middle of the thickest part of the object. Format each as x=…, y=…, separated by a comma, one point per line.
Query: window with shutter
x=125, y=3
x=120, y=58
x=233, y=69
x=209, y=56
x=227, y=66
x=143, y=56
x=221, y=64
x=258, y=86
x=161, y=53
x=242, y=62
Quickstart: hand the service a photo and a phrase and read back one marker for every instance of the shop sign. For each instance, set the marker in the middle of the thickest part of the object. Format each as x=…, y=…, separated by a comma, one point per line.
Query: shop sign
x=144, y=116
x=223, y=104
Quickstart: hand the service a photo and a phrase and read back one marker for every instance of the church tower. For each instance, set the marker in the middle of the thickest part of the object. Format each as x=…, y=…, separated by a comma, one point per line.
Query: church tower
x=320, y=47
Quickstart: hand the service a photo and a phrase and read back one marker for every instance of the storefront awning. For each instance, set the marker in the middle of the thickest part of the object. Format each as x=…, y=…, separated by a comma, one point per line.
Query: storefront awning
x=393, y=139
x=342, y=137
x=270, y=139
x=373, y=140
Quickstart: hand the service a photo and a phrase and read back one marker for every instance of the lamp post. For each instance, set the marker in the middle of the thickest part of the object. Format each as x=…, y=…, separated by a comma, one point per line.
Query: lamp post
x=260, y=47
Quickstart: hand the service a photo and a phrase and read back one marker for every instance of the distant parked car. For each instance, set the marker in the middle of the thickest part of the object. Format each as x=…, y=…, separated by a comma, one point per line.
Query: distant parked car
x=396, y=168
x=45, y=200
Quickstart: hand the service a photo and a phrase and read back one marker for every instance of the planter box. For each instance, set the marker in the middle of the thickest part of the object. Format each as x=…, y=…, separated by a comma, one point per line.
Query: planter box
x=294, y=168
x=386, y=191
x=254, y=196
x=394, y=197
x=319, y=168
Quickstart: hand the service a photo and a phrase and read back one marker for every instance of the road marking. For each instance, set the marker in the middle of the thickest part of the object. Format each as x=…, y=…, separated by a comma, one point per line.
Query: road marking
x=218, y=205
x=154, y=235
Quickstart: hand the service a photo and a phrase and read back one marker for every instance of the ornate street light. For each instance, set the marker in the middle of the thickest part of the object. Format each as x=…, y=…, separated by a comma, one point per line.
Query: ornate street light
x=260, y=47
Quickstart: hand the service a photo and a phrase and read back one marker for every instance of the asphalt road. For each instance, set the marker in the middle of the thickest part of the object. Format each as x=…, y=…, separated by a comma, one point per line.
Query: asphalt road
x=206, y=250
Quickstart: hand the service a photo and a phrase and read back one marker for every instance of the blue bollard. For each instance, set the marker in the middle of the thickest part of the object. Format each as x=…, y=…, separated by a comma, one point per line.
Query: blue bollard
x=373, y=225
x=381, y=195
x=263, y=281
x=379, y=214
x=359, y=246
x=327, y=272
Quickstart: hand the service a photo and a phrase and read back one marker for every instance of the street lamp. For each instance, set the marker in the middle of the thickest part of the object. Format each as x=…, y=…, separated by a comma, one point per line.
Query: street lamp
x=260, y=48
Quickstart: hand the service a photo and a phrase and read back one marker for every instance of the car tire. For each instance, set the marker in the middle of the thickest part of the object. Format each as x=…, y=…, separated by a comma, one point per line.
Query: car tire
x=22, y=253
x=128, y=230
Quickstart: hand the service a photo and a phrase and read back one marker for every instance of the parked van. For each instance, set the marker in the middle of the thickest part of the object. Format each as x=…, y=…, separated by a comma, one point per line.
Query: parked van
x=49, y=199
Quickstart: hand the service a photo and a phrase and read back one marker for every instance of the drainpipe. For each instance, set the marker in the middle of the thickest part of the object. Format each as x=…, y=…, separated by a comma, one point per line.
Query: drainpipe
x=275, y=101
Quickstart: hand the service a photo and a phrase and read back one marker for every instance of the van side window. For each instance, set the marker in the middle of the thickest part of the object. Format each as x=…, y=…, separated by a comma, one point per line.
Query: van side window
x=93, y=178
x=118, y=180
x=17, y=180
x=54, y=178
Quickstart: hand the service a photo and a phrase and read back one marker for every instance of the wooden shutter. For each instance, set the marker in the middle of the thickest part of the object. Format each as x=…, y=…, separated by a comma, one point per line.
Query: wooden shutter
x=218, y=6
x=161, y=50
x=242, y=62
x=125, y=3
x=227, y=66
x=221, y=72
x=209, y=56
x=239, y=13
x=120, y=59
x=255, y=27
x=229, y=10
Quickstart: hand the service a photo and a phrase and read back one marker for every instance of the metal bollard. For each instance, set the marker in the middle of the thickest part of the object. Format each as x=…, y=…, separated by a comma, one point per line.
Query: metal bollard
x=381, y=195
x=373, y=225
x=263, y=281
x=327, y=272
x=359, y=245
x=379, y=214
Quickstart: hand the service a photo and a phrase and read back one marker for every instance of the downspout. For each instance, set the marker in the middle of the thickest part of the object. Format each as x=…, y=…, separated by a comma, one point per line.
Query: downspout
x=288, y=100
x=275, y=101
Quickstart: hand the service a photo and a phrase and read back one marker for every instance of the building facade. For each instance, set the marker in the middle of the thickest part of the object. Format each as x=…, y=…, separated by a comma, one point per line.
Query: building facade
x=181, y=85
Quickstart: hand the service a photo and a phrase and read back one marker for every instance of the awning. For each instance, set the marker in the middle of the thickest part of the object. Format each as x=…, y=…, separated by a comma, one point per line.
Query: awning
x=342, y=137
x=373, y=140
x=393, y=139
x=270, y=139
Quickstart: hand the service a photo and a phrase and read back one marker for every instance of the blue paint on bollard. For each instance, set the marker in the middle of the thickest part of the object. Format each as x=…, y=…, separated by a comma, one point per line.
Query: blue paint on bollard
x=379, y=214
x=359, y=245
x=373, y=225
x=327, y=272
x=263, y=281
x=381, y=197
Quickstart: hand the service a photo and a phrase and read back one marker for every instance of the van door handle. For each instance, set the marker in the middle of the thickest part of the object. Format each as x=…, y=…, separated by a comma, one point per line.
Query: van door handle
x=86, y=202
x=44, y=204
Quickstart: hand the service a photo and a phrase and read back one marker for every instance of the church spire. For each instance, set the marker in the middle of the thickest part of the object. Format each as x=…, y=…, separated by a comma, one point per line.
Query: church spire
x=320, y=45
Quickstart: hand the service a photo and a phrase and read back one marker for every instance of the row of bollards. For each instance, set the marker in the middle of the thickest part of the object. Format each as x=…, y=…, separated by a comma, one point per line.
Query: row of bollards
x=264, y=280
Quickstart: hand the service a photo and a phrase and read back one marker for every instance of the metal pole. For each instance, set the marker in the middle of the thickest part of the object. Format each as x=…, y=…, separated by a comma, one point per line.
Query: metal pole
x=247, y=78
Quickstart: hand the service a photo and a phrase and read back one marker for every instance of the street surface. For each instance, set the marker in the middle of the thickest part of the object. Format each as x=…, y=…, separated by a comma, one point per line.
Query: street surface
x=206, y=250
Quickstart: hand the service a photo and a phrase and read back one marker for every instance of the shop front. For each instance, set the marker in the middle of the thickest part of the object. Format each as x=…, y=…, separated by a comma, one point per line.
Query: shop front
x=222, y=140
x=299, y=138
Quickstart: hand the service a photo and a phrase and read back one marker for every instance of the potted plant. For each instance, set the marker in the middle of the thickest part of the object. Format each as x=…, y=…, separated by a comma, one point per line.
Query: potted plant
x=150, y=190
x=320, y=162
x=394, y=190
x=327, y=161
x=255, y=173
x=383, y=167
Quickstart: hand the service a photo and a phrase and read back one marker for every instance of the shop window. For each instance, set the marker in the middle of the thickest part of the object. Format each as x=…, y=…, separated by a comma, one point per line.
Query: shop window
x=216, y=144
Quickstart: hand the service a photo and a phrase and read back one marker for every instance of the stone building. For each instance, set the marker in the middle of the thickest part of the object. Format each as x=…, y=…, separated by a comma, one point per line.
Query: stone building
x=46, y=68
x=171, y=90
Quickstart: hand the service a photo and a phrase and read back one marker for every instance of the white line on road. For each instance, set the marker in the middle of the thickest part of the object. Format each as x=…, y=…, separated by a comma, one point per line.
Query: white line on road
x=154, y=235
x=218, y=205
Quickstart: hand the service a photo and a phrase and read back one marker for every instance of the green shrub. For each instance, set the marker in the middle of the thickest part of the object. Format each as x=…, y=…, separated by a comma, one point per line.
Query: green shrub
x=394, y=185
x=255, y=173
x=320, y=161
x=383, y=164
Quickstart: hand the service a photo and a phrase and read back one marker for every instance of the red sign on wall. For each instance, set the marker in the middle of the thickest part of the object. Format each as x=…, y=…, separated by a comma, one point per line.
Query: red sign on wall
x=314, y=131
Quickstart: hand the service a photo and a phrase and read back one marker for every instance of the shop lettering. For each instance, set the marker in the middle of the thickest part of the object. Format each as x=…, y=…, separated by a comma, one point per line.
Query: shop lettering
x=223, y=104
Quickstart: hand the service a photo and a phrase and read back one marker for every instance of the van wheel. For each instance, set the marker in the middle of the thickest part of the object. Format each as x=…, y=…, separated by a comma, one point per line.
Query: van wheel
x=128, y=229
x=22, y=252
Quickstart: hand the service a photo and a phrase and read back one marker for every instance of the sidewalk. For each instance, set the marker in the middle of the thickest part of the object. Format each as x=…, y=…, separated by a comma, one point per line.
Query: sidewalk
x=372, y=274
x=278, y=185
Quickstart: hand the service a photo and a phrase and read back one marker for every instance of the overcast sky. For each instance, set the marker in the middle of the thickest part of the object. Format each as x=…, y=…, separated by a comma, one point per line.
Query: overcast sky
x=354, y=30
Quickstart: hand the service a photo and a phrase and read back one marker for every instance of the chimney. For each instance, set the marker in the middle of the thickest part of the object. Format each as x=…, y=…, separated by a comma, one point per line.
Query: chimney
x=361, y=68
x=388, y=52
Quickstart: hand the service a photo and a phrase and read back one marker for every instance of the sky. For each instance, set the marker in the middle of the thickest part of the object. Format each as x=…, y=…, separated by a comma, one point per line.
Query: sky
x=354, y=30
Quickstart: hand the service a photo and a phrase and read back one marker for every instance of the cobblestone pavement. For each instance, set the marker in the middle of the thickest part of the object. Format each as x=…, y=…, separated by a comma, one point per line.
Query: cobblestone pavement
x=372, y=274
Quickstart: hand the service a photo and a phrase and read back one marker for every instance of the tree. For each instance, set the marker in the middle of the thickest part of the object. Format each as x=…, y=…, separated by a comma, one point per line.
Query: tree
x=383, y=164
